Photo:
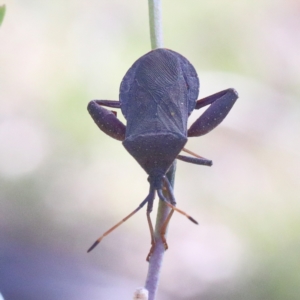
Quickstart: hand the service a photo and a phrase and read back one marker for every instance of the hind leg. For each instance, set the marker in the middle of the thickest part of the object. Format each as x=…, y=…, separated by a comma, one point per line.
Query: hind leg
x=106, y=120
x=220, y=105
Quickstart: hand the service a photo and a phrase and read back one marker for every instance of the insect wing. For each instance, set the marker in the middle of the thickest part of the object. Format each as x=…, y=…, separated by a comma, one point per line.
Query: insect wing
x=156, y=93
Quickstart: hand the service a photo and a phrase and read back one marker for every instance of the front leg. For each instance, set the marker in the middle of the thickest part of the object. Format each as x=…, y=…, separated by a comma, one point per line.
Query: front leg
x=220, y=105
x=106, y=120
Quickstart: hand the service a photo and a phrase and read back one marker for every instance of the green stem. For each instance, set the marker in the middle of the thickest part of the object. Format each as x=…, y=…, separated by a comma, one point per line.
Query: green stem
x=155, y=22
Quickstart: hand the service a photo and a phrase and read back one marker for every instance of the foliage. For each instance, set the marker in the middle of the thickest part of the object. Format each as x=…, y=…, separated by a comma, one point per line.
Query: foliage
x=2, y=13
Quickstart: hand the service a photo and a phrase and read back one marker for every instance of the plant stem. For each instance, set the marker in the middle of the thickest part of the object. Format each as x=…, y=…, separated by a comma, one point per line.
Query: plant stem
x=155, y=22
x=156, y=259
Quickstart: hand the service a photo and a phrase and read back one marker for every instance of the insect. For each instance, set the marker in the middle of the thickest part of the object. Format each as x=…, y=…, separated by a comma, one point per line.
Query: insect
x=157, y=95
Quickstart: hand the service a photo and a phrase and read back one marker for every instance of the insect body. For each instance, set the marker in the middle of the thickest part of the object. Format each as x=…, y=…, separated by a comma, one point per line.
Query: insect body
x=157, y=95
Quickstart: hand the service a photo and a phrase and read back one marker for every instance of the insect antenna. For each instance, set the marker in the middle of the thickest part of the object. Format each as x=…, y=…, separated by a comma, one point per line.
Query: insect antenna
x=162, y=197
x=150, y=197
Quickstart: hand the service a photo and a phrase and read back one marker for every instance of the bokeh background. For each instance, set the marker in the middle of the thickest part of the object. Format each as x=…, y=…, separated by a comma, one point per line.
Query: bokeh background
x=63, y=182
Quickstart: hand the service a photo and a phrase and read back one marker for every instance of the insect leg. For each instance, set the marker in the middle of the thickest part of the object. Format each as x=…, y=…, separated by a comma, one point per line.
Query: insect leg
x=150, y=197
x=106, y=120
x=220, y=105
x=211, y=99
x=149, y=210
x=164, y=229
x=195, y=160
x=192, y=153
x=108, y=103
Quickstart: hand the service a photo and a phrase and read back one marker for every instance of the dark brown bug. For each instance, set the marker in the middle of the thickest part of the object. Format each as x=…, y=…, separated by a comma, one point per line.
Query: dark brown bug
x=157, y=95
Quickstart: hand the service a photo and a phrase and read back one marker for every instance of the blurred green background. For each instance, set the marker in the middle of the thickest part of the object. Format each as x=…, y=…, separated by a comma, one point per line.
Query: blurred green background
x=63, y=182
